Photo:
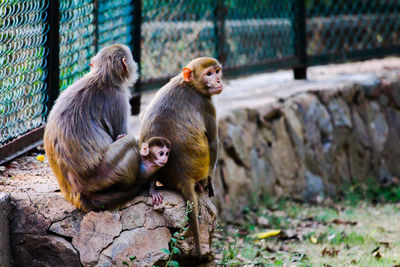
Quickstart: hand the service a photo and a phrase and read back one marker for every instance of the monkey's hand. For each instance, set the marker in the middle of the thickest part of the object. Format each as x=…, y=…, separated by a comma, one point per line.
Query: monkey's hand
x=199, y=187
x=155, y=196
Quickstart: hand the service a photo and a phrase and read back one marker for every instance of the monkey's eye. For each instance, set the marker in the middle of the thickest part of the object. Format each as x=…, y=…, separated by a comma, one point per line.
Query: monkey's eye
x=209, y=73
x=161, y=153
x=217, y=71
x=166, y=154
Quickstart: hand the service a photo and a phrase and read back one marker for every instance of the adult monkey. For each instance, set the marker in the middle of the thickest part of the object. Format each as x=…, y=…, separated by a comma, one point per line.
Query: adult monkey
x=182, y=111
x=94, y=169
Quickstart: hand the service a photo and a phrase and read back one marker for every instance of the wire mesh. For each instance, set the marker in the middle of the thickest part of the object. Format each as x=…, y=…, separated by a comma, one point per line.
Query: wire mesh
x=173, y=33
x=343, y=27
x=22, y=67
x=258, y=32
x=115, y=22
x=241, y=33
x=77, y=39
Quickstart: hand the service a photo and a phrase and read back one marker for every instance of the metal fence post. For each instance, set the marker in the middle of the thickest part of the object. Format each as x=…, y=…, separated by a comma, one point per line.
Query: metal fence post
x=300, y=38
x=96, y=24
x=53, y=44
x=137, y=36
x=220, y=12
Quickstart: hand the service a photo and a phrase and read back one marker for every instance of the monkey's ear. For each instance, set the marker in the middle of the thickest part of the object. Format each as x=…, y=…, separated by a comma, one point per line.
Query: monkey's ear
x=187, y=74
x=144, y=149
x=125, y=64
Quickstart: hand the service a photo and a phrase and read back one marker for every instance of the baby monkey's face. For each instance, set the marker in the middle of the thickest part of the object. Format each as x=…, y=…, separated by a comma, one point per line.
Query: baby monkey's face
x=161, y=155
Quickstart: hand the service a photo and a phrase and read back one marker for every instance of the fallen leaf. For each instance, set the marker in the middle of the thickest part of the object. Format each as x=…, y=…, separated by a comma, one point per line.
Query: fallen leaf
x=338, y=221
x=313, y=240
x=330, y=252
x=40, y=158
x=354, y=261
x=263, y=235
x=377, y=254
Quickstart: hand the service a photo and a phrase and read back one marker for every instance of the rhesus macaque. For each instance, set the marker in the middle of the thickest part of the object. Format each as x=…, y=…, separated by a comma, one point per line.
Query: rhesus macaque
x=95, y=169
x=154, y=155
x=183, y=112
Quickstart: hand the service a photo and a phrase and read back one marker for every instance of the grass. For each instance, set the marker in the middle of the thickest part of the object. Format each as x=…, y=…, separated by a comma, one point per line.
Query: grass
x=360, y=228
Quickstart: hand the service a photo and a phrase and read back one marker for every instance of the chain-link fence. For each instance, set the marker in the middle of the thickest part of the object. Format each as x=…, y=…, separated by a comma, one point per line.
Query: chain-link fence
x=46, y=45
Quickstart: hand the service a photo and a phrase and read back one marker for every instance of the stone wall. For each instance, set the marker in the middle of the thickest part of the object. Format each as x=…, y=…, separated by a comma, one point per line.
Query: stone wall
x=309, y=141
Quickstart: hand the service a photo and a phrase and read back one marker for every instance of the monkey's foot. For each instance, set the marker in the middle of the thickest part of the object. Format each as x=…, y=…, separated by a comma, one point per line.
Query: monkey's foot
x=156, y=197
x=199, y=187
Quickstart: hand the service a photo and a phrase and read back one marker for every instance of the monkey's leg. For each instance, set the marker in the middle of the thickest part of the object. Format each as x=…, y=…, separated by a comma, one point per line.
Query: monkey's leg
x=108, y=200
x=189, y=194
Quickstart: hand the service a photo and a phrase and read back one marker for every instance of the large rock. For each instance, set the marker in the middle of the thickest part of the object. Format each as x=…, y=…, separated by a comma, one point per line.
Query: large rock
x=5, y=251
x=46, y=230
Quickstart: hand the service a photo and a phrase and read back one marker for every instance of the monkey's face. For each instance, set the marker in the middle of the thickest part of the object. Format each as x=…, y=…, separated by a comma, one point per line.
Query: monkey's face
x=212, y=79
x=159, y=155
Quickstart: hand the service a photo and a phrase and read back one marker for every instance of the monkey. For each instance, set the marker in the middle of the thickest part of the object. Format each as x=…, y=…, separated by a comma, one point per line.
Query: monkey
x=96, y=169
x=183, y=112
x=154, y=155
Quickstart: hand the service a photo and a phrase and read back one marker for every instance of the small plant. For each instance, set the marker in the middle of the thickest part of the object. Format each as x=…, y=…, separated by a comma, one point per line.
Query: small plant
x=173, y=249
x=132, y=259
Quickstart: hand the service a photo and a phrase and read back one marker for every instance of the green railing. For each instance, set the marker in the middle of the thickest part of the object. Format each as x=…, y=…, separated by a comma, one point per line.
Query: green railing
x=46, y=45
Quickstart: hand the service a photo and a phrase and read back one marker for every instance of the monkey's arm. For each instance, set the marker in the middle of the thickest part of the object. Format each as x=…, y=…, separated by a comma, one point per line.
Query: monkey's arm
x=155, y=195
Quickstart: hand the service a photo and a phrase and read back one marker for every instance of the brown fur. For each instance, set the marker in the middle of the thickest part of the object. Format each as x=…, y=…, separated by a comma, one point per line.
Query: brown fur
x=183, y=113
x=93, y=169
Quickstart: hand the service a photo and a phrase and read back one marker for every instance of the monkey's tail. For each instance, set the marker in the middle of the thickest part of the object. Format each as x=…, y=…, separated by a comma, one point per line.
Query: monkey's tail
x=189, y=194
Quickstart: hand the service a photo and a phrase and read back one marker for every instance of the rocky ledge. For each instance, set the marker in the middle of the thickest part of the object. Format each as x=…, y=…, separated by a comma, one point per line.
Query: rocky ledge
x=46, y=230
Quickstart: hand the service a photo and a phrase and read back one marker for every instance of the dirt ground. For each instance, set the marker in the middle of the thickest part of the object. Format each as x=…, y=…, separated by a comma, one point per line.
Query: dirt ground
x=27, y=174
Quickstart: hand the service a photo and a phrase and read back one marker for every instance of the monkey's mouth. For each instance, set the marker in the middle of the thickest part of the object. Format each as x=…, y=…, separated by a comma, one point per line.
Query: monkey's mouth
x=159, y=164
x=215, y=91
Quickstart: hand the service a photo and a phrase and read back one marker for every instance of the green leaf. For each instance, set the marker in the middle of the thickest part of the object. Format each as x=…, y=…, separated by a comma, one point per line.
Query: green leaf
x=173, y=264
x=176, y=250
x=164, y=250
x=132, y=258
x=173, y=240
x=176, y=234
x=125, y=263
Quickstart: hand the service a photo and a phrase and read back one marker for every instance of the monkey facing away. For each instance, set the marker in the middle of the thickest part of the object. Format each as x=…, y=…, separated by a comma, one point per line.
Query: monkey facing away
x=183, y=112
x=95, y=169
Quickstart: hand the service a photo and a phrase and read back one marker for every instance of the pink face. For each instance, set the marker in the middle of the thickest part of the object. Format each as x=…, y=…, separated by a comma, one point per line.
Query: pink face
x=161, y=155
x=212, y=77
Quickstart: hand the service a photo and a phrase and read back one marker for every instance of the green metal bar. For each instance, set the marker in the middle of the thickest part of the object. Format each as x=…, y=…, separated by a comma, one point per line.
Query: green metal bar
x=137, y=37
x=300, y=38
x=53, y=44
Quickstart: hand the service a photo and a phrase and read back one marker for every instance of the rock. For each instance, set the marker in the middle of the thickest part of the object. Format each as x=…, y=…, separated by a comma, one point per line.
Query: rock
x=314, y=188
x=143, y=244
x=26, y=218
x=98, y=230
x=5, y=211
x=377, y=126
x=69, y=226
x=39, y=250
x=105, y=238
x=340, y=113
